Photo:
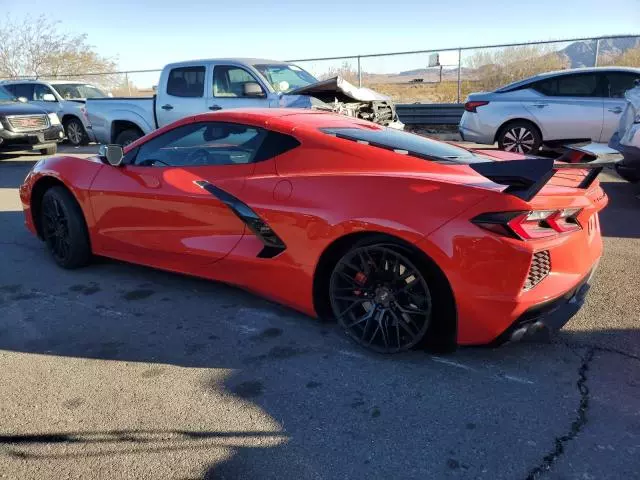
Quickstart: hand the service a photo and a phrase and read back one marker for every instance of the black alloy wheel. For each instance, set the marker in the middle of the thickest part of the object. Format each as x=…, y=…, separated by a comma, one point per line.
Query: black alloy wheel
x=63, y=228
x=380, y=299
x=55, y=228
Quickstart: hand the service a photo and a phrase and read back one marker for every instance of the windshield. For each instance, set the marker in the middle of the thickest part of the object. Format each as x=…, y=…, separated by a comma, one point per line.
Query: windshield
x=406, y=144
x=72, y=91
x=284, y=77
x=6, y=96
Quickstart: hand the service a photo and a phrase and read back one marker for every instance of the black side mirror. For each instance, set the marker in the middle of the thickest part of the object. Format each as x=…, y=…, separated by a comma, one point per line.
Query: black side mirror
x=252, y=89
x=113, y=153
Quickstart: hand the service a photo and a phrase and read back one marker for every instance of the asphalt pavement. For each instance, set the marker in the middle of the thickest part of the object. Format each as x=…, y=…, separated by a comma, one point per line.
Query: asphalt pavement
x=117, y=371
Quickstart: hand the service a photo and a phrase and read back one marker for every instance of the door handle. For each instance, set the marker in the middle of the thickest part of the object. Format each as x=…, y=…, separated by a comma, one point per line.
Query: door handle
x=540, y=105
x=167, y=107
x=215, y=107
x=616, y=110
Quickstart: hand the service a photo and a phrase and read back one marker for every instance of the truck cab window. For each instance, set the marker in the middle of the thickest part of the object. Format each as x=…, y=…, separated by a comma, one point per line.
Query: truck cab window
x=186, y=82
x=230, y=81
x=40, y=91
x=21, y=90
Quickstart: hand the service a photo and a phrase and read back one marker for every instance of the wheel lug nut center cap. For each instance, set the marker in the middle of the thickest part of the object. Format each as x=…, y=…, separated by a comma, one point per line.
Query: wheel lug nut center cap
x=384, y=296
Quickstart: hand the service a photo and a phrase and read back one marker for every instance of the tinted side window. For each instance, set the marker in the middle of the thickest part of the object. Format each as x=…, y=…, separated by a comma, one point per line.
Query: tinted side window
x=547, y=87
x=40, y=90
x=186, y=82
x=582, y=85
x=21, y=90
x=619, y=82
x=202, y=144
x=230, y=81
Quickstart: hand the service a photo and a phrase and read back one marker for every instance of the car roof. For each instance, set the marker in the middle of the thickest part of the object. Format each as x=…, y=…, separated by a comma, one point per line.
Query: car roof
x=50, y=82
x=237, y=60
x=558, y=73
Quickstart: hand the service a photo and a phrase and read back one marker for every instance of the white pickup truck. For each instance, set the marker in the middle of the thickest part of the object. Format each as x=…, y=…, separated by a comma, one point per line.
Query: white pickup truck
x=189, y=88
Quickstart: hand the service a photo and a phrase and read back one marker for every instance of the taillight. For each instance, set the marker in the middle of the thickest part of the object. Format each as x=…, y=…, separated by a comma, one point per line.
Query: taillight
x=530, y=225
x=471, y=106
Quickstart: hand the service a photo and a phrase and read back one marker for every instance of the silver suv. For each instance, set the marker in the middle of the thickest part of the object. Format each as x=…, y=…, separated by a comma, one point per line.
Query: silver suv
x=66, y=98
x=578, y=104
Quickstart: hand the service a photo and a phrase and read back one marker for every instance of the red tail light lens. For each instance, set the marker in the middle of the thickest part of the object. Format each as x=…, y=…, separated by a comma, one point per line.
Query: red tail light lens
x=530, y=225
x=471, y=106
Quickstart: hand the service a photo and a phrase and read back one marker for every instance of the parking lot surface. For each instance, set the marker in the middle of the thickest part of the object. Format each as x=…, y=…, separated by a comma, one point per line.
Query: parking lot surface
x=120, y=371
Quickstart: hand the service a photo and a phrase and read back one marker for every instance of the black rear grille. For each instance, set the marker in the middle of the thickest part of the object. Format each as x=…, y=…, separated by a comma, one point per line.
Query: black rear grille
x=540, y=268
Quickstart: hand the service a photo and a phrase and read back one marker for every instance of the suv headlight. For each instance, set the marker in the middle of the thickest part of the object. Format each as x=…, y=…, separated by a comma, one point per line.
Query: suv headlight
x=53, y=119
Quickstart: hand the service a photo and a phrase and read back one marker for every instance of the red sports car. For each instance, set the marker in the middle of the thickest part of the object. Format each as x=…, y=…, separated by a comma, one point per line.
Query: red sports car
x=404, y=240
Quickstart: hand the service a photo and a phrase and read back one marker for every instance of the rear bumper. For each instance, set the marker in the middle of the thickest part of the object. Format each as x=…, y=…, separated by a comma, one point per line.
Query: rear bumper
x=472, y=129
x=547, y=317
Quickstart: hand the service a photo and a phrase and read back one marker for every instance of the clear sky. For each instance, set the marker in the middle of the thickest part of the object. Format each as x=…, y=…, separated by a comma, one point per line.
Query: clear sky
x=149, y=33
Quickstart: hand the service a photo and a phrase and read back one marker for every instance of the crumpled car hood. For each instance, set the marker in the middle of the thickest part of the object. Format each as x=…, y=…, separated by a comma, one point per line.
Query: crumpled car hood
x=338, y=87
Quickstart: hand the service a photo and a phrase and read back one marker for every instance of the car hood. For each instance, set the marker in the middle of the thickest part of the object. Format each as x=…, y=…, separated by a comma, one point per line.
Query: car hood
x=19, y=108
x=339, y=88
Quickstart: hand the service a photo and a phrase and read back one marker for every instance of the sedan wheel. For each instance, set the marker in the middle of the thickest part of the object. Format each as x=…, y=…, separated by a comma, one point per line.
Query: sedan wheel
x=380, y=299
x=519, y=138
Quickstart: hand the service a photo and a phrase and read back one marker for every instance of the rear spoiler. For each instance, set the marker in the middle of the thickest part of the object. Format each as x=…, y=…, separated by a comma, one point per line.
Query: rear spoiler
x=525, y=178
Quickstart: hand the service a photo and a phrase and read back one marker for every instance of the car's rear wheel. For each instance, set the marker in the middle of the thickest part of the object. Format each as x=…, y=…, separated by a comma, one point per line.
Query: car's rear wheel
x=520, y=137
x=128, y=136
x=63, y=228
x=76, y=133
x=380, y=298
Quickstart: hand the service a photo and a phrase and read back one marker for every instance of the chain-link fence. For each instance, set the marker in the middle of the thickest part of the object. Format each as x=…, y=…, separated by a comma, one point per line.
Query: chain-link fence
x=444, y=75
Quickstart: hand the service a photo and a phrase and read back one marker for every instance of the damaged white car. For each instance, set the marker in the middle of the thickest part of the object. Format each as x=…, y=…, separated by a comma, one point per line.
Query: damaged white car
x=189, y=88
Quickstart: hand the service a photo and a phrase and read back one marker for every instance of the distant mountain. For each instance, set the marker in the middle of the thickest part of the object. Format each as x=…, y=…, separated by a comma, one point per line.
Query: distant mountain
x=582, y=54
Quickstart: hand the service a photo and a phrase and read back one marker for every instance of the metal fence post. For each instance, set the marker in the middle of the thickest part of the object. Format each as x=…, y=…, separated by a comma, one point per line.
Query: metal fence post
x=459, y=68
x=126, y=79
x=595, y=60
x=359, y=73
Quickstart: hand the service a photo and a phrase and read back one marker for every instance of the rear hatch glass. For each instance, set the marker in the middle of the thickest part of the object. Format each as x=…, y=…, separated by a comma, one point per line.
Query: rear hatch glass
x=407, y=144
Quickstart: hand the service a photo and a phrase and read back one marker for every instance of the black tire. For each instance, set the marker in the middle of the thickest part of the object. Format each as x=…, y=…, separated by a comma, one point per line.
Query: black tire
x=49, y=151
x=520, y=137
x=380, y=298
x=64, y=228
x=126, y=137
x=75, y=132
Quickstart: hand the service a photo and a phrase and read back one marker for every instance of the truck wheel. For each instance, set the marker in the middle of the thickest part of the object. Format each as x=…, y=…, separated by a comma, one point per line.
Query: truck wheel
x=49, y=151
x=128, y=136
x=75, y=132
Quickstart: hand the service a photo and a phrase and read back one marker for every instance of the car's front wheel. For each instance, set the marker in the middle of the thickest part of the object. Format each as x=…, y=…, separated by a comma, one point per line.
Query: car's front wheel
x=520, y=137
x=63, y=228
x=128, y=136
x=75, y=132
x=380, y=298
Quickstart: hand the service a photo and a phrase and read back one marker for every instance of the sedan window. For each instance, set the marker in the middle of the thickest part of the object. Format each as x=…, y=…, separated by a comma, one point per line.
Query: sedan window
x=582, y=85
x=202, y=144
x=619, y=82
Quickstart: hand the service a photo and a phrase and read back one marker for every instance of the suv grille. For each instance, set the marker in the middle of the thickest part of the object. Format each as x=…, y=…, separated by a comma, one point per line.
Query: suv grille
x=28, y=123
x=540, y=268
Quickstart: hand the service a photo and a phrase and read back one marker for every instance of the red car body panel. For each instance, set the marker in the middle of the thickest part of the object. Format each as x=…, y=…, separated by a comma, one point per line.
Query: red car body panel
x=315, y=194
